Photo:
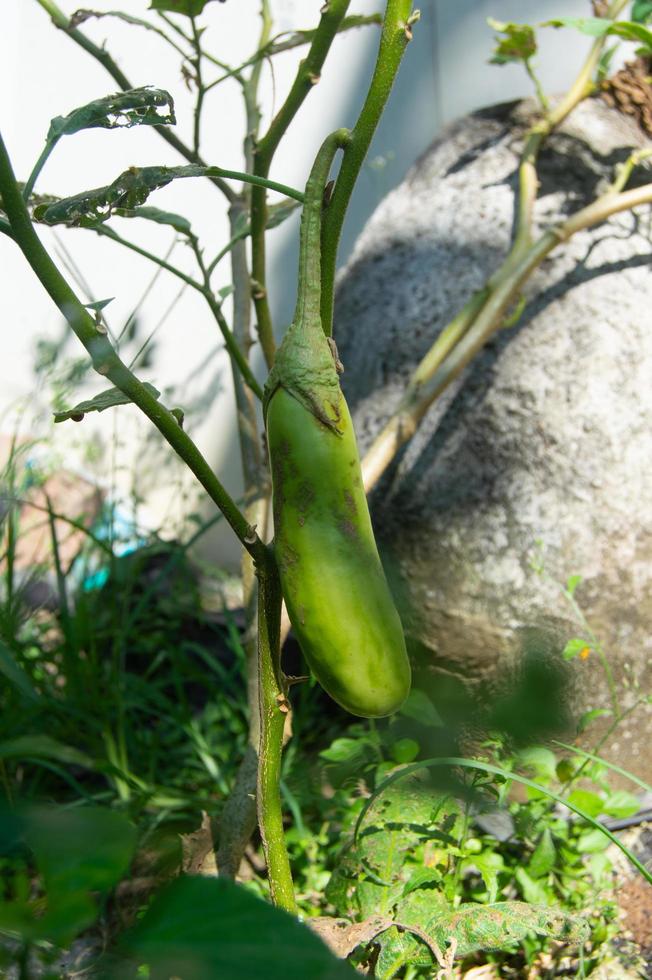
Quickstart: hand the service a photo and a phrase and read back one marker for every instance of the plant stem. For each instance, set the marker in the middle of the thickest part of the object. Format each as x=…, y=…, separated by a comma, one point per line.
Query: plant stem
x=308, y=74
x=238, y=820
x=201, y=89
x=105, y=360
x=234, y=349
x=273, y=710
x=38, y=166
x=60, y=20
x=395, y=35
x=418, y=397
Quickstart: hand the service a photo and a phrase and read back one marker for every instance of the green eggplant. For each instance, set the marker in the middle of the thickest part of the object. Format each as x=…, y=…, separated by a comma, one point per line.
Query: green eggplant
x=335, y=590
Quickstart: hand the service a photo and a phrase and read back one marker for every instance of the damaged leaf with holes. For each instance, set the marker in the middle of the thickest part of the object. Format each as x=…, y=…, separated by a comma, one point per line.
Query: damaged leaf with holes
x=126, y=193
x=146, y=106
x=440, y=929
x=518, y=44
x=406, y=842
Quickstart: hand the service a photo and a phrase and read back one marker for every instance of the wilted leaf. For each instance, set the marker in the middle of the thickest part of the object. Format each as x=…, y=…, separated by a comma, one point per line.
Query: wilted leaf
x=519, y=43
x=145, y=106
x=106, y=399
x=342, y=936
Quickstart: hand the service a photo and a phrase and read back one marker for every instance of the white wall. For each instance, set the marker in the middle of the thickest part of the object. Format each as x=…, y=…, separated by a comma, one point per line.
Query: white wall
x=43, y=74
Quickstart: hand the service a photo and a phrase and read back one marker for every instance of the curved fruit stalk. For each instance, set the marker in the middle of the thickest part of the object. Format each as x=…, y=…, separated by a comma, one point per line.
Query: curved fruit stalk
x=332, y=579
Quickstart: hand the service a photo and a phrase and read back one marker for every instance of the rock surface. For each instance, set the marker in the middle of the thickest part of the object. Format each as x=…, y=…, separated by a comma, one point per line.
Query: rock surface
x=541, y=453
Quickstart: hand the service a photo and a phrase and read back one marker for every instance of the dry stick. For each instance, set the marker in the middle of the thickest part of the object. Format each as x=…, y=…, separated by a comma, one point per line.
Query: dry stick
x=419, y=396
x=107, y=363
x=238, y=818
x=307, y=76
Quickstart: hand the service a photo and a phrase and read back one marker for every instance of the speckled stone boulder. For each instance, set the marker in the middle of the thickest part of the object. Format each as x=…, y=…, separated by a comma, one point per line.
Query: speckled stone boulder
x=542, y=451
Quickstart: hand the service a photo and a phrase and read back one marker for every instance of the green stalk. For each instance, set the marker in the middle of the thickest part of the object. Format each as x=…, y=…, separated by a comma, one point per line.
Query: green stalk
x=38, y=166
x=394, y=38
x=273, y=710
x=105, y=360
x=308, y=74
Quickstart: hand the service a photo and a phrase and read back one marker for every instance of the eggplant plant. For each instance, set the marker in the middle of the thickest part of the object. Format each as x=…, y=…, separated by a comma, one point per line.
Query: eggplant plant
x=323, y=561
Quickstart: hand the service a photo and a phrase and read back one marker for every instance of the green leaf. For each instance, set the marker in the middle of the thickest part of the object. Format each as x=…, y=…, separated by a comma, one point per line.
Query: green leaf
x=45, y=747
x=344, y=750
x=621, y=804
x=533, y=891
x=421, y=878
x=136, y=107
x=633, y=32
x=601, y=26
x=84, y=849
x=593, y=26
x=505, y=924
x=106, y=399
x=199, y=927
x=489, y=864
x=16, y=675
x=572, y=583
x=541, y=761
x=405, y=750
x=587, y=801
x=78, y=852
x=189, y=8
x=590, y=716
x=592, y=841
x=574, y=648
x=642, y=11
x=419, y=707
x=99, y=304
x=519, y=43
x=176, y=221
x=543, y=858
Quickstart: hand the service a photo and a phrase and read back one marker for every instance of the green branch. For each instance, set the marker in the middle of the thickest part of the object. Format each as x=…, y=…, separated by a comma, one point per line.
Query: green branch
x=307, y=76
x=396, y=34
x=105, y=360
